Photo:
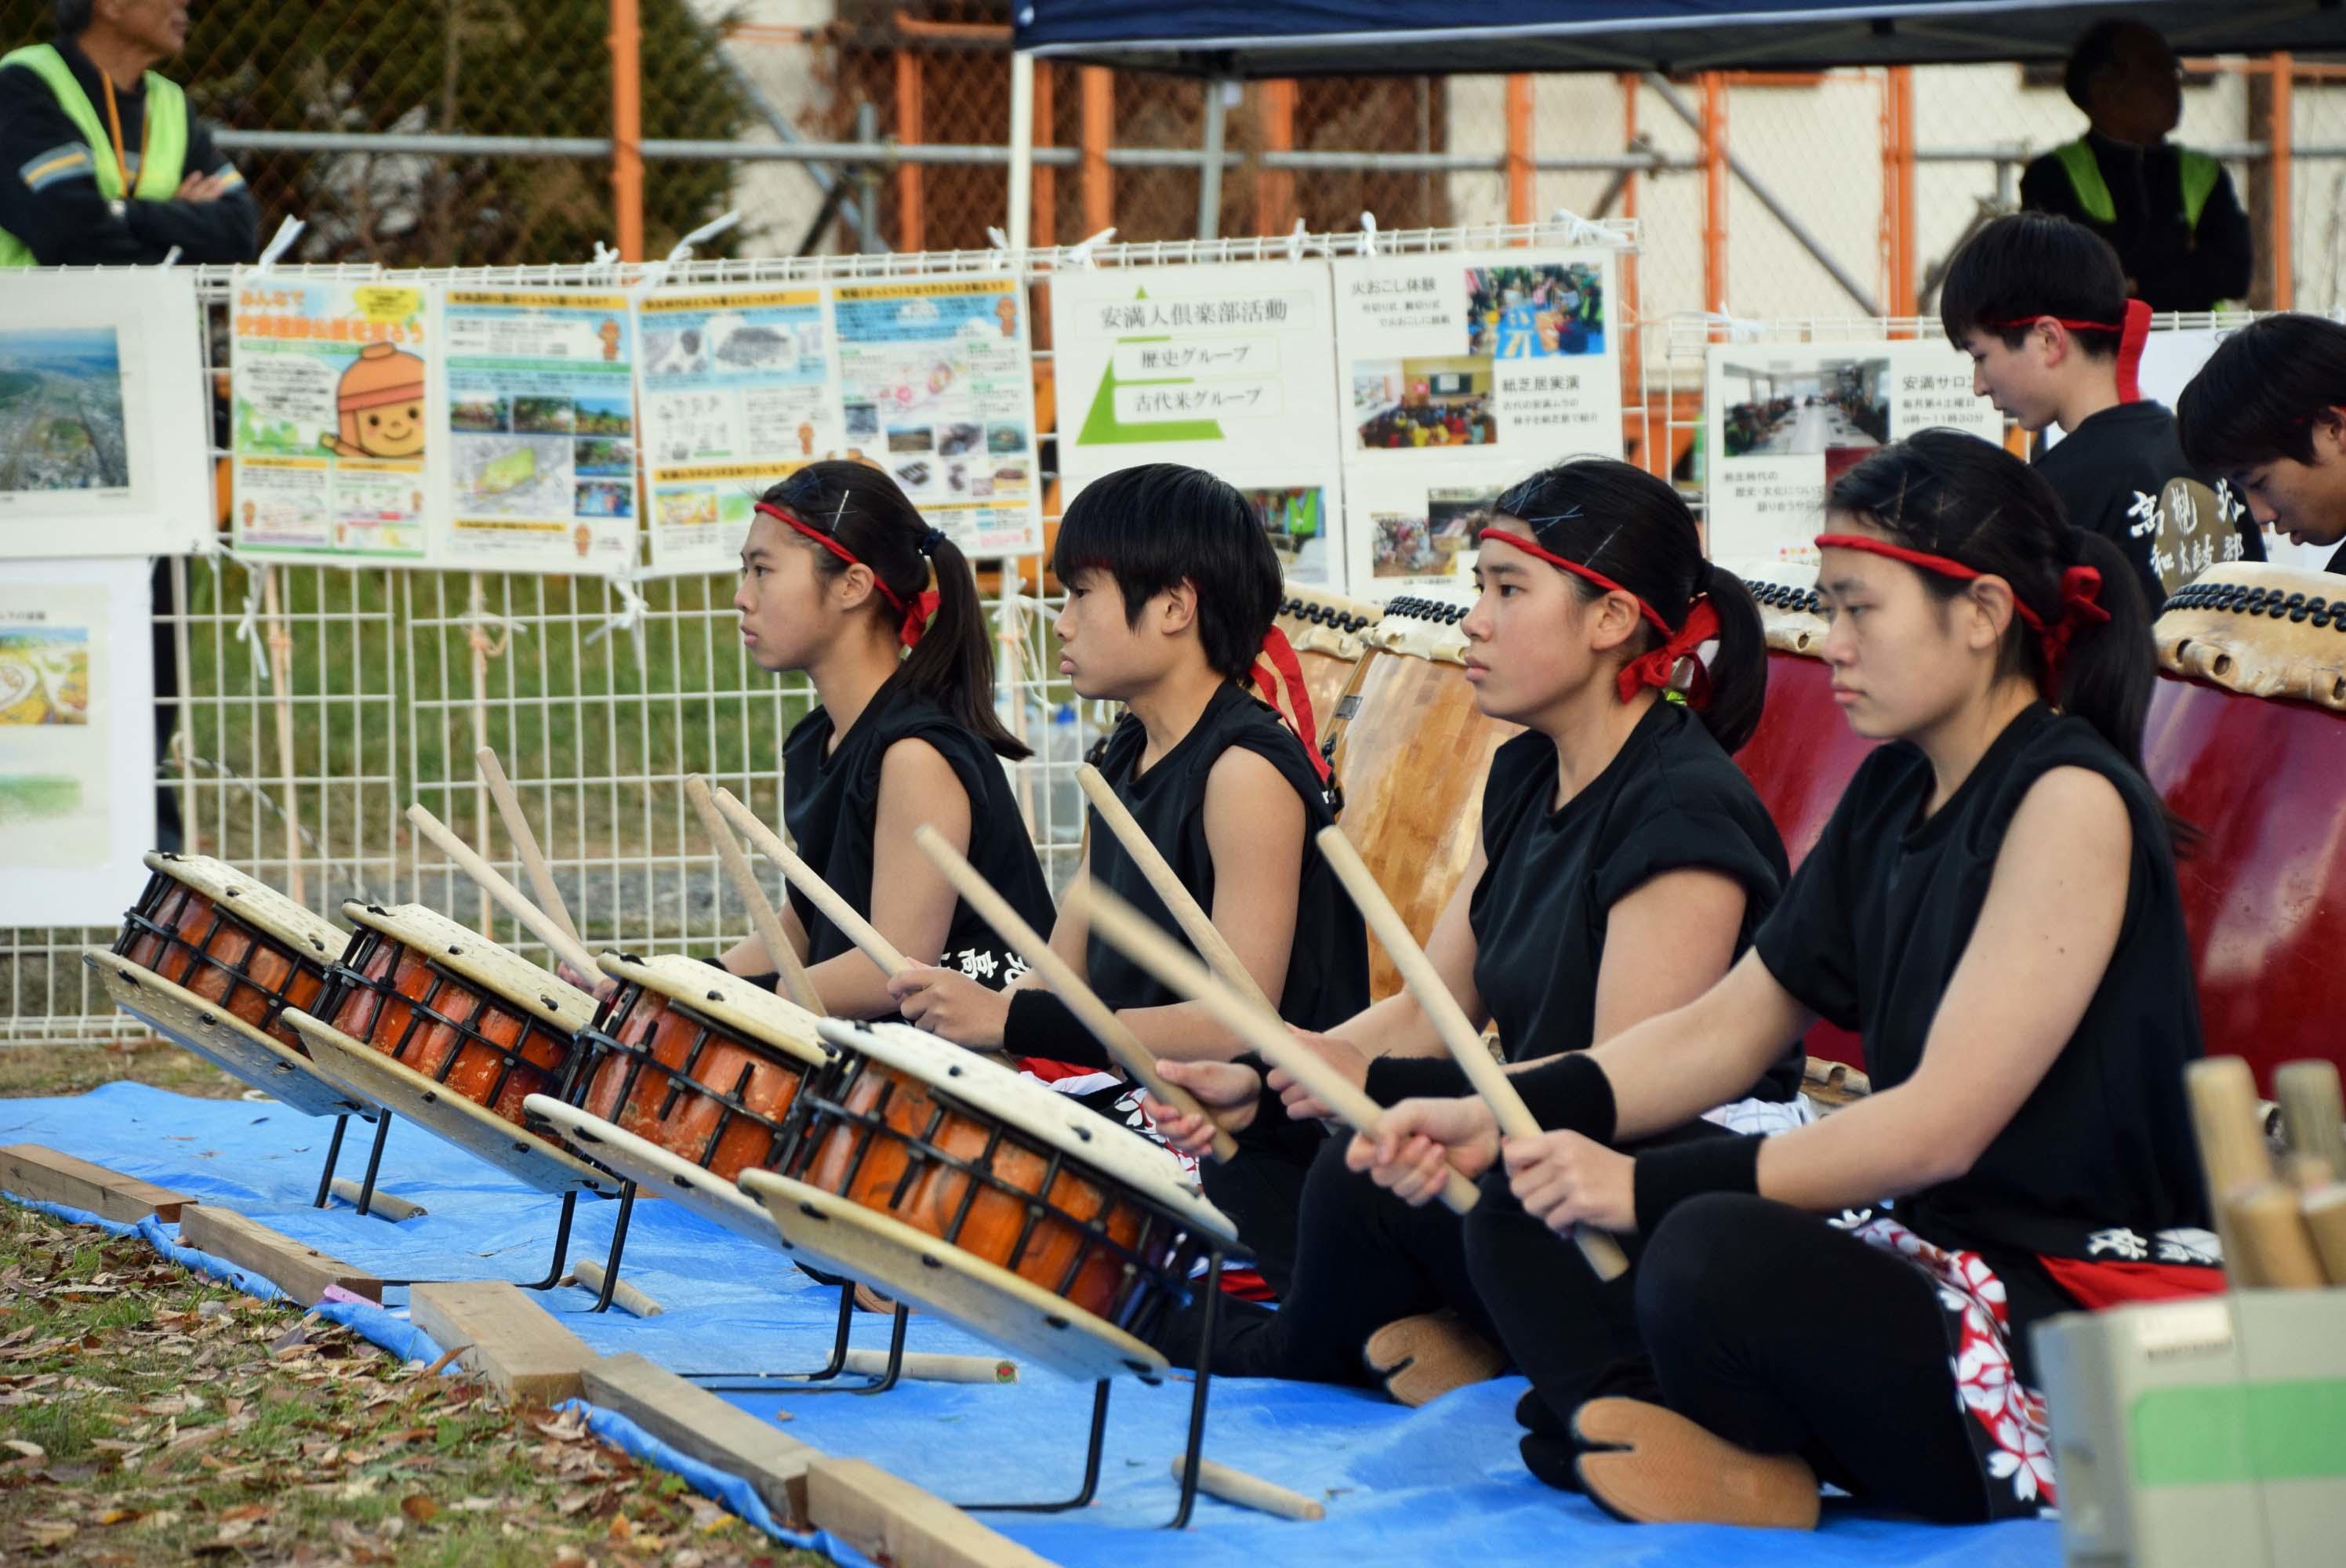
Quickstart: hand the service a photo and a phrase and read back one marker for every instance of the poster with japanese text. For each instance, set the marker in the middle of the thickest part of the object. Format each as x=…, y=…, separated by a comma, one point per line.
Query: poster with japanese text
x=77, y=740
x=104, y=422
x=936, y=385
x=1229, y=369
x=332, y=447
x=737, y=391
x=1462, y=373
x=538, y=392
x=1784, y=420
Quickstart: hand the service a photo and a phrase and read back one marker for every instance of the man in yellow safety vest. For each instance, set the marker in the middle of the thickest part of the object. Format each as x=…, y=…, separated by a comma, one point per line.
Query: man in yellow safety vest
x=100, y=163
x=2170, y=212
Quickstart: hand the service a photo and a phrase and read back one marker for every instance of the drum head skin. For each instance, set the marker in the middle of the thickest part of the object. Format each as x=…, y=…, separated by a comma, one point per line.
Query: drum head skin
x=220, y=1037
x=479, y=961
x=518, y=1152
x=727, y=999
x=839, y=1236
x=2261, y=630
x=313, y=936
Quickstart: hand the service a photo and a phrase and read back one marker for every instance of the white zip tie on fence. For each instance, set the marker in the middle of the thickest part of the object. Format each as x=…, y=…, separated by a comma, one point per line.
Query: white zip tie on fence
x=657, y=273
x=1583, y=232
x=1295, y=241
x=1740, y=328
x=1367, y=233
x=281, y=242
x=478, y=623
x=1078, y=255
x=248, y=625
x=633, y=609
x=170, y=258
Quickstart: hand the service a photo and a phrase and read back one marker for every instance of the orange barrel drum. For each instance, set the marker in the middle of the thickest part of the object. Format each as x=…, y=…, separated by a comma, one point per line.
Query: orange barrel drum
x=212, y=930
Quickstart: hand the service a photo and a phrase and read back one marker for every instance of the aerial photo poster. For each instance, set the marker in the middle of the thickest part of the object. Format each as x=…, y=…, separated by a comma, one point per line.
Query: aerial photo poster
x=737, y=391
x=102, y=420
x=1229, y=369
x=1785, y=420
x=333, y=450
x=77, y=740
x=1463, y=371
x=540, y=440
x=936, y=384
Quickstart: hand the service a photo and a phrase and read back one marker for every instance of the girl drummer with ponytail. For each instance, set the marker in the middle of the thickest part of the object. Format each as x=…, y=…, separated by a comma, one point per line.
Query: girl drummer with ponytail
x=1624, y=862
x=843, y=580
x=1994, y=908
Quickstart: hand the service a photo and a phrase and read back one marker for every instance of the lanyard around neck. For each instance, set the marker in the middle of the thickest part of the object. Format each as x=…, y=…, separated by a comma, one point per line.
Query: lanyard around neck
x=114, y=126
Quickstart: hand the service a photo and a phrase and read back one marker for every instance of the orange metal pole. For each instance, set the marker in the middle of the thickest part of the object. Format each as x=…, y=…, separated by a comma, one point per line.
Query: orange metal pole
x=1098, y=130
x=1521, y=175
x=627, y=129
x=1633, y=375
x=1045, y=221
x=2284, y=186
x=1714, y=192
x=1274, y=188
x=1902, y=289
x=911, y=228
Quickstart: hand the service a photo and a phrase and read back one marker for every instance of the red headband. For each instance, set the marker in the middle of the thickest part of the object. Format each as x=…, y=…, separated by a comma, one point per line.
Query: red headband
x=916, y=614
x=2081, y=592
x=1285, y=669
x=1654, y=669
x=2133, y=332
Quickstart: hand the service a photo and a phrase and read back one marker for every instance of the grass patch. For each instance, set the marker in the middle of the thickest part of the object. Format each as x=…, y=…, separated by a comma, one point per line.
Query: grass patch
x=152, y=1416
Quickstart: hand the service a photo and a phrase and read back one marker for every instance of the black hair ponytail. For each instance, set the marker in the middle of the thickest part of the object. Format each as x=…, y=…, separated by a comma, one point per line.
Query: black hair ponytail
x=1619, y=521
x=860, y=508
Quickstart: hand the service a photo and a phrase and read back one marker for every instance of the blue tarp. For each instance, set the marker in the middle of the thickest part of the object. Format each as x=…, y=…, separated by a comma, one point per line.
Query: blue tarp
x=1438, y=1484
x=1344, y=37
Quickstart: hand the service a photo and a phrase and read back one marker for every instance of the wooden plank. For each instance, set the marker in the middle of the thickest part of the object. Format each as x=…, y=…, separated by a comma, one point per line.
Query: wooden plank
x=301, y=1272
x=890, y=1519
x=31, y=1170
x=705, y=1427
x=506, y=1339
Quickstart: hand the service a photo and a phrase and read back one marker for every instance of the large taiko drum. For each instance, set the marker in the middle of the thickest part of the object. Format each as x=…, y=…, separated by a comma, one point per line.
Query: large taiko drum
x=961, y=1148
x=1411, y=749
x=220, y=935
x=1326, y=630
x=698, y=1061
x=2247, y=742
x=454, y=1008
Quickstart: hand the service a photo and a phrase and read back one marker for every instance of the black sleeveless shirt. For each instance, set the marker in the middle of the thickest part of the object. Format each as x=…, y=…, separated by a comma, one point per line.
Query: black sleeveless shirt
x=1869, y=935
x=1669, y=800
x=830, y=801
x=1328, y=964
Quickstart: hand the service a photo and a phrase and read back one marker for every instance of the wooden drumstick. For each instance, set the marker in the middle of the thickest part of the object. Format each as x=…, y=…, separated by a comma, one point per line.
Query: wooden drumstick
x=1095, y=1015
x=2312, y=1112
x=1195, y=923
x=1449, y=1021
x=2280, y=1247
x=2232, y=1154
x=802, y=876
x=763, y=918
x=2325, y=1217
x=929, y=1367
x=540, y=924
x=1144, y=942
x=541, y=875
x=1216, y=1480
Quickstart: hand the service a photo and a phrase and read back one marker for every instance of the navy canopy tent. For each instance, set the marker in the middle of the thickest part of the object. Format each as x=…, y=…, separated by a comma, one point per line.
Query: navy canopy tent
x=1360, y=37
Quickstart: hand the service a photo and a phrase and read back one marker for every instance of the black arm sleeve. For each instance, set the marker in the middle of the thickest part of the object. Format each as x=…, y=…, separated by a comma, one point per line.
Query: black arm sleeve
x=66, y=223
x=224, y=229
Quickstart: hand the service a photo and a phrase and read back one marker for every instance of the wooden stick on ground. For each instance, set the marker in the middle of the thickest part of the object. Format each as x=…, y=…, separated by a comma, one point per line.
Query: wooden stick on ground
x=1098, y=1016
x=1217, y=1480
x=524, y=842
x=803, y=877
x=1195, y=923
x=1449, y=1021
x=763, y=918
x=1141, y=940
x=541, y=924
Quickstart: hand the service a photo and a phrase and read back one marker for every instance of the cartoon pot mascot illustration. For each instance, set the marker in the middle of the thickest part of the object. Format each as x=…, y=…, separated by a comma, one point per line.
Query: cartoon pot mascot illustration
x=1005, y=311
x=380, y=403
x=609, y=332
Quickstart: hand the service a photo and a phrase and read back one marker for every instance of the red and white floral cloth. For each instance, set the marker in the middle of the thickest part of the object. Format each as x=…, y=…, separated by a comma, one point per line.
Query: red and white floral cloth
x=2011, y=1437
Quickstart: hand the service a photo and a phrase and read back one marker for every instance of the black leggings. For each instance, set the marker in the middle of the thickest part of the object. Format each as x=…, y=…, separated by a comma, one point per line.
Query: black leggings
x=1766, y=1325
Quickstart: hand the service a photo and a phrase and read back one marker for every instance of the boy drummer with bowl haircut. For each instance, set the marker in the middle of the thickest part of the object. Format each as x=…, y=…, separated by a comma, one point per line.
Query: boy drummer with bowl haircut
x=2040, y=304
x=1171, y=591
x=2269, y=410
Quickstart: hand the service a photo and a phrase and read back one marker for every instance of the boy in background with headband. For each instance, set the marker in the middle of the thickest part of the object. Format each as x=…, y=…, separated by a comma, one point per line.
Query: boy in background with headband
x=2040, y=304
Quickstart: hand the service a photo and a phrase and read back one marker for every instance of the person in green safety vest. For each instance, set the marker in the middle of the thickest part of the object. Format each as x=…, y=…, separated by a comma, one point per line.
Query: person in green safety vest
x=100, y=162
x=2169, y=213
